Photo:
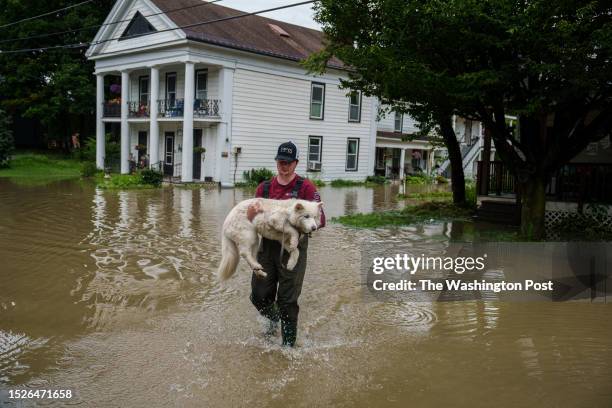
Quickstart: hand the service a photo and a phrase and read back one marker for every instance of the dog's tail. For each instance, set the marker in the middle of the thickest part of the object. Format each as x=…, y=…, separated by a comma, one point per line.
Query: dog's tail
x=229, y=259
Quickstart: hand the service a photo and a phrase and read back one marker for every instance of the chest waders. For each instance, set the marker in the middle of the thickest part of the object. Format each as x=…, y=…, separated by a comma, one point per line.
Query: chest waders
x=276, y=295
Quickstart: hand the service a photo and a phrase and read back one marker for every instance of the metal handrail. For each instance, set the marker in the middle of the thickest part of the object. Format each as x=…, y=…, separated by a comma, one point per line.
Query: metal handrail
x=138, y=109
x=170, y=108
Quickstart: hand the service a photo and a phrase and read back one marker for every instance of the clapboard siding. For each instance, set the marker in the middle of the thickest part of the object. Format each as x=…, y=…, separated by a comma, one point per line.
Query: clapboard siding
x=270, y=109
x=386, y=123
x=158, y=21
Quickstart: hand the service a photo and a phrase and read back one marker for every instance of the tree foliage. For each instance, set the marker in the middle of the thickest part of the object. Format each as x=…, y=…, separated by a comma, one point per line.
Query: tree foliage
x=6, y=140
x=54, y=86
x=548, y=62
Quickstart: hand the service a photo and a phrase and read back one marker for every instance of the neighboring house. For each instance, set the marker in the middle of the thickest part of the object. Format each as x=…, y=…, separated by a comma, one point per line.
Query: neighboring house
x=234, y=88
x=400, y=152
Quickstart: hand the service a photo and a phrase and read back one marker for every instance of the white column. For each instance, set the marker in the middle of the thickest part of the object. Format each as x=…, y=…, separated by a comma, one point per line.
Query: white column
x=153, y=147
x=100, y=136
x=224, y=129
x=125, y=129
x=187, y=166
x=401, y=170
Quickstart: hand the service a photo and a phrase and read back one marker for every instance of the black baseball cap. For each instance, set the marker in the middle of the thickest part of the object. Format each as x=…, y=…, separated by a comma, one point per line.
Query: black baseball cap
x=287, y=151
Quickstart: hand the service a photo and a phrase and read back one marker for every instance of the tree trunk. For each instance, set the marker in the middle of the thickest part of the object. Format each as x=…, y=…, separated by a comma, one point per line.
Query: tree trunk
x=454, y=156
x=533, y=205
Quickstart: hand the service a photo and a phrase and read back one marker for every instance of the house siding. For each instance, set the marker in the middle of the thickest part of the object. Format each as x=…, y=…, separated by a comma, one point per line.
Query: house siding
x=271, y=109
x=158, y=21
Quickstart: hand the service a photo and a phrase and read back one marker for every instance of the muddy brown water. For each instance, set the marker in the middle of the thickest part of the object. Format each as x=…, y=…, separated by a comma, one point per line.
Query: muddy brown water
x=111, y=294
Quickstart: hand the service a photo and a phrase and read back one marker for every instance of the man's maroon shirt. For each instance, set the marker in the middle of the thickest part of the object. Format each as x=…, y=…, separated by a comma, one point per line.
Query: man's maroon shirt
x=283, y=192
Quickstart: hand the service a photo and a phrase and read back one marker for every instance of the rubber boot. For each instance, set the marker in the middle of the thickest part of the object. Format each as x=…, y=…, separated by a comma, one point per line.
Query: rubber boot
x=273, y=315
x=289, y=332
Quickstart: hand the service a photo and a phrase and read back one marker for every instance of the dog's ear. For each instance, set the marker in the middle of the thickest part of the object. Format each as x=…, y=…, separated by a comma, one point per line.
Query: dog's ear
x=320, y=205
x=298, y=207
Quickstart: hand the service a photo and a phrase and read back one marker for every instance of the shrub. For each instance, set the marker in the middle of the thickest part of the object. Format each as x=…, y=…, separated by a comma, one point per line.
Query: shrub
x=318, y=183
x=7, y=143
x=441, y=179
x=255, y=176
x=88, y=151
x=152, y=177
x=377, y=180
x=88, y=169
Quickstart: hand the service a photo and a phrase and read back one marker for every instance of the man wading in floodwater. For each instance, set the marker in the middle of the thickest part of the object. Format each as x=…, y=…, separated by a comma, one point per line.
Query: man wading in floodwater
x=276, y=295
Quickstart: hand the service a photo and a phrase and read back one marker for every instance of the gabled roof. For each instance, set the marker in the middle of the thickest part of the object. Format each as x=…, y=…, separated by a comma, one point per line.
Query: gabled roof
x=255, y=33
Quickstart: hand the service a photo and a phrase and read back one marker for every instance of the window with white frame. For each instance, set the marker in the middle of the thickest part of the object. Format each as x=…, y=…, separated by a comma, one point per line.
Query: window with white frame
x=315, y=148
x=317, y=100
x=201, y=84
x=352, y=154
x=171, y=88
x=143, y=89
x=399, y=121
x=355, y=106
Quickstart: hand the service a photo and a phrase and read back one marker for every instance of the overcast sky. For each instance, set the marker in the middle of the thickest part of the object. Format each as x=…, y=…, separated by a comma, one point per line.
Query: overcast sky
x=300, y=15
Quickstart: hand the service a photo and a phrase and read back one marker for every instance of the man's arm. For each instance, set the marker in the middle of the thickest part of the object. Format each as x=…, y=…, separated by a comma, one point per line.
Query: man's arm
x=309, y=192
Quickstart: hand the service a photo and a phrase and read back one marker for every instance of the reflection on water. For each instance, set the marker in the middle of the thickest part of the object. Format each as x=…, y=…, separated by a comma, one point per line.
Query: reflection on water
x=112, y=294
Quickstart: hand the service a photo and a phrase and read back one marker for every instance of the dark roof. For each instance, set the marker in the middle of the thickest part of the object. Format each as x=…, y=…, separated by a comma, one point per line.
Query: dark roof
x=252, y=33
x=398, y=136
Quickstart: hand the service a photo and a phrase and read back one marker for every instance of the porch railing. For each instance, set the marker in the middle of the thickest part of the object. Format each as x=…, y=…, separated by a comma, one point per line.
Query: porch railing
x=138, y=109
x=111, y=109
x=170, y=108
x=574, y=182
x=206, y=108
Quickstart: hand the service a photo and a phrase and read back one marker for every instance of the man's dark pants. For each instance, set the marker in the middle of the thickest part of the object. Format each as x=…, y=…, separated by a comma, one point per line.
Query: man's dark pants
x=280, y=284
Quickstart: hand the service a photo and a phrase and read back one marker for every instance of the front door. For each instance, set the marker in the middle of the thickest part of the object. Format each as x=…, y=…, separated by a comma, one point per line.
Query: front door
x=169, y=154
x=197, y=156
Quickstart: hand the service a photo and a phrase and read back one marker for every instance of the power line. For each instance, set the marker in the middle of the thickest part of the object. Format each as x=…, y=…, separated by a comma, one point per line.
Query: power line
x=204, y=3
x=45, y=14
x=81, y=45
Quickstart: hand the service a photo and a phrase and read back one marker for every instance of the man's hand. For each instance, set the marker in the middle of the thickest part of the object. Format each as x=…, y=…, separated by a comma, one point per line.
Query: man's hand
x=253, y=210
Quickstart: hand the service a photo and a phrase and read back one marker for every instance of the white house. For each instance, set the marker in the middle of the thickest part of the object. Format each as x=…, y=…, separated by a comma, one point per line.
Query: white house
x=232, y=87
x=399, y=152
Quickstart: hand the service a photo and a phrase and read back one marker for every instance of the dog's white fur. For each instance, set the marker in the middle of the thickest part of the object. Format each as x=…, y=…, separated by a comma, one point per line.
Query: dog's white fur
x=279, y=220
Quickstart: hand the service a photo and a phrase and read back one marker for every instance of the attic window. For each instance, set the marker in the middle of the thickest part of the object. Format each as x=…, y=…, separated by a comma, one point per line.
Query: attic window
x=138, y=26
x=278, y=30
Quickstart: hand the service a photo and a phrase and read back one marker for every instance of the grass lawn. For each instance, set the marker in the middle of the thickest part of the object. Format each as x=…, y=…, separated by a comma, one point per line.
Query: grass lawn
x=40, y=169
x=413, y=214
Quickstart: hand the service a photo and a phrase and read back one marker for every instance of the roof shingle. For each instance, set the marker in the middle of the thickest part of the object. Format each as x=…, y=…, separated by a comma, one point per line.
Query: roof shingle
x=252, y=33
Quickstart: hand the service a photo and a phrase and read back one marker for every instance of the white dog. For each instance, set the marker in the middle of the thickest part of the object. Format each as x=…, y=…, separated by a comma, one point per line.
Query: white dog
x=279, y=220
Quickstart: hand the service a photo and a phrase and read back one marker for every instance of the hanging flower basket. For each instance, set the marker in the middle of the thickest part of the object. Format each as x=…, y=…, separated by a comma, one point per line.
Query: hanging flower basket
x=199, y=149
x=140, y=147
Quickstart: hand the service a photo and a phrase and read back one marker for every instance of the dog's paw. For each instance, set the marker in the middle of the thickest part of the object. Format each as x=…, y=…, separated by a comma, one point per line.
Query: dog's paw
x=260, y=273
x=292, y=261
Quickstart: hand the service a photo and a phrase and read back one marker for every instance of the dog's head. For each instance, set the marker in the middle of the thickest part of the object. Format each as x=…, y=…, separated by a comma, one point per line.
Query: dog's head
x=305, y=216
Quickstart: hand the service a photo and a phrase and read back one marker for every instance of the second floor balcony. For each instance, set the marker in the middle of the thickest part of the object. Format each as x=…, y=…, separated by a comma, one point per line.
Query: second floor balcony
x=166, y=108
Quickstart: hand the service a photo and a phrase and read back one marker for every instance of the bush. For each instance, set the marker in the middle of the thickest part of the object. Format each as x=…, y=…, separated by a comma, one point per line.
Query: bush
x=441, y=179
x=377, y=180
x=7, y=143
x=470, y=193
x=88, y=151
x=151, y=177
x=88, y=169
x=255, y=176
x=318, y=183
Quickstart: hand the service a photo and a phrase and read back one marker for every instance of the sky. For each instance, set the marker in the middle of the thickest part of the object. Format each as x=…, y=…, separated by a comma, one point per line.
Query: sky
x=300, y=15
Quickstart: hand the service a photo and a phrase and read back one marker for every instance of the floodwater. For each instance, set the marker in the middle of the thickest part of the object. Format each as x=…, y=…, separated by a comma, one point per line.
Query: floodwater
x=112, y=295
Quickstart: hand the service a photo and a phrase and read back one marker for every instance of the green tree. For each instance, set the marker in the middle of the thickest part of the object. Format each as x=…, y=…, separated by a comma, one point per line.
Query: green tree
x=55, y=86
x=548, y=62
x=6, y=140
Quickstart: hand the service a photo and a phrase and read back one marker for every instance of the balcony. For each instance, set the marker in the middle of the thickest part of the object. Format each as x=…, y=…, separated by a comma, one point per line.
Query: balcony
x=170, y=108
x=202, y=108
x=111, y=109
x=206, y=108
x=138, y=109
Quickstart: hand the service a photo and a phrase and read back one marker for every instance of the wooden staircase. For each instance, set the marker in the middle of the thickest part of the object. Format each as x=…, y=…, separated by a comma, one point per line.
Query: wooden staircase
x=506, y=212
